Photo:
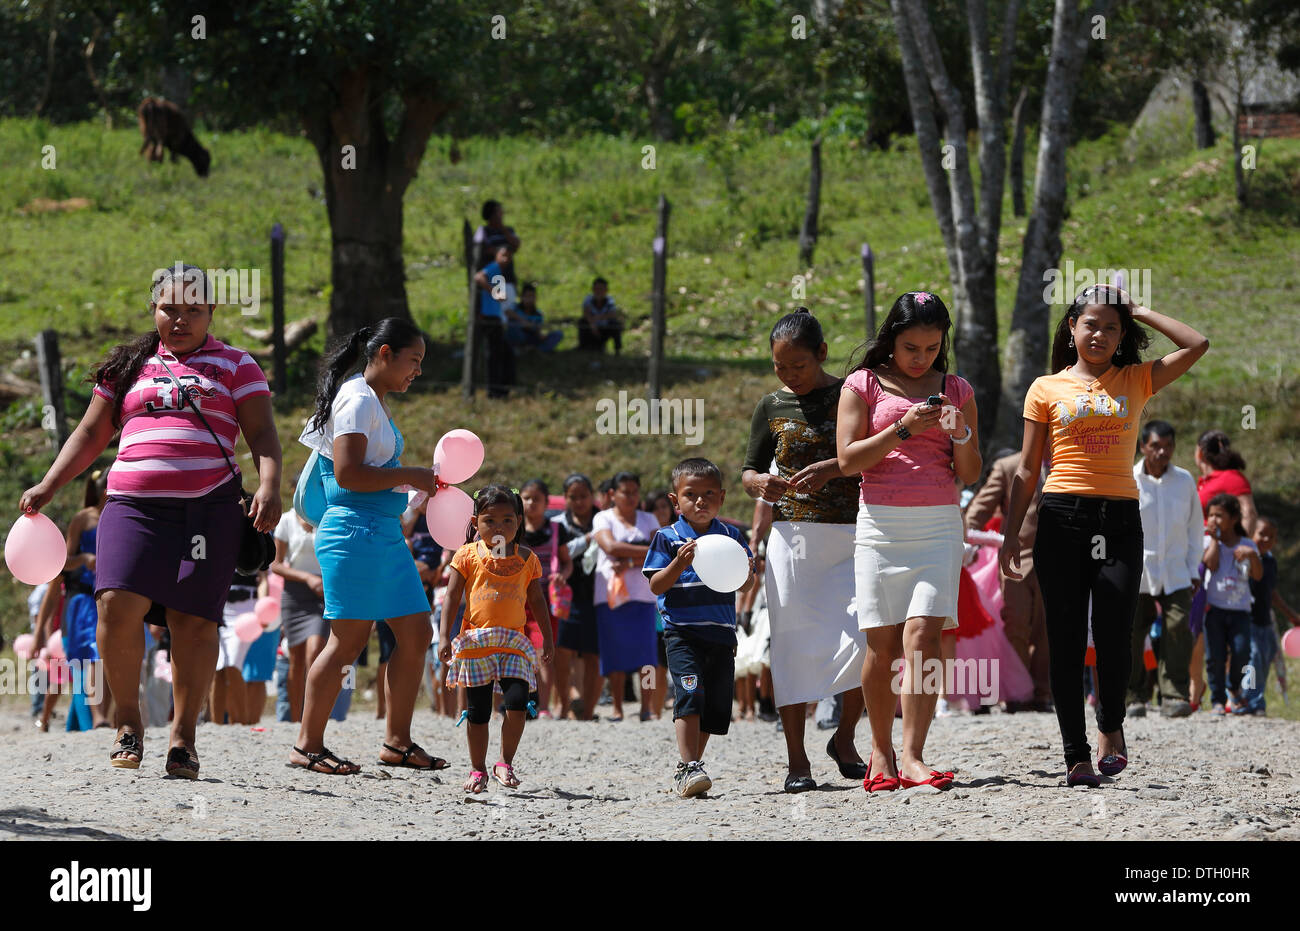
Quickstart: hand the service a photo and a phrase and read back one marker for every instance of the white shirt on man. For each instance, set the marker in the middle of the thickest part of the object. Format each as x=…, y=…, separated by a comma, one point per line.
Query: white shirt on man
x=1172, y=529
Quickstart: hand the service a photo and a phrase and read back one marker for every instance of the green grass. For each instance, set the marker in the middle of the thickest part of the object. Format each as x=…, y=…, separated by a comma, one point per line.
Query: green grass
x=585, y=207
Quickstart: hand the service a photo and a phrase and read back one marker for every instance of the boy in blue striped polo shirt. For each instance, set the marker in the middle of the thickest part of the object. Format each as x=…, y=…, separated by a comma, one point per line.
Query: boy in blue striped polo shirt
x=699, y=623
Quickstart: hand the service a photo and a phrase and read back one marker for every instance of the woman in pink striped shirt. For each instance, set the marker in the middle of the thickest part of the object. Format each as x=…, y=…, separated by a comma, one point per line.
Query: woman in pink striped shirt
x=169, y=533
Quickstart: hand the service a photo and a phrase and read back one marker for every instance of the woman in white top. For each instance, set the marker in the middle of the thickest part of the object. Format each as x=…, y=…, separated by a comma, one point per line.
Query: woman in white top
x=626, y=634
x=367, y=569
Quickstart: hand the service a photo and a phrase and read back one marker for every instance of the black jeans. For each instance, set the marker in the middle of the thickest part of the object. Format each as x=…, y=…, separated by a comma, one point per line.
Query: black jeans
x=1088, y=547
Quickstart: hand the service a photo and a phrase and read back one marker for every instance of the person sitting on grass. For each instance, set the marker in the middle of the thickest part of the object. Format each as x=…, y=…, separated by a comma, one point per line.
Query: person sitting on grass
x=699, y=623
x=601, y=319
x=524, y=323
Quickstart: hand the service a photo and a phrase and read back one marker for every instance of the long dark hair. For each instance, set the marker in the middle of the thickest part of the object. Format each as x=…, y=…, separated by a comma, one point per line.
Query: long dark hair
x=96, y=486
x=121, y=367
x=915, y=308
x=1216, y=449
x=393, y=332
x=1134, y=339
x=490, y=496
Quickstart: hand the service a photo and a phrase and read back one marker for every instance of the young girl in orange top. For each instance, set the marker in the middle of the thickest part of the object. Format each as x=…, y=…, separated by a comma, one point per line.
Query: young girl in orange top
x=499, y=577
x=1089, y=541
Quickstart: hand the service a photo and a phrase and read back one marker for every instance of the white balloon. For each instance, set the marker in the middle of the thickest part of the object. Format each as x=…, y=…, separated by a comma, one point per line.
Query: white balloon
x=720, y=562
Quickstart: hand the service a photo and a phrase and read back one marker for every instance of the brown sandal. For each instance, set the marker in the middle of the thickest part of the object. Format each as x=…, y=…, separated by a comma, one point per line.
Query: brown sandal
x=128, y=743
x=182, y=763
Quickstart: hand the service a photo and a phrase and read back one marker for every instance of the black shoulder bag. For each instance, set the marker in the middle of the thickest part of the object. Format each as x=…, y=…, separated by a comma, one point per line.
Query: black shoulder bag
x=256, y=547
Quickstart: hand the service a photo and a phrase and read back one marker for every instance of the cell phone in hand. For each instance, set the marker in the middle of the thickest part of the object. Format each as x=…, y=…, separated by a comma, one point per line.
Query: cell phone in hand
x=934, y=400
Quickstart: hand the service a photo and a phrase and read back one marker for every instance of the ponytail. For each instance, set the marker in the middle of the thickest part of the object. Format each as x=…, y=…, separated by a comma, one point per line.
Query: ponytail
x=392, y=332
x=1216, y=449
x=118, y=372
x=333, y=367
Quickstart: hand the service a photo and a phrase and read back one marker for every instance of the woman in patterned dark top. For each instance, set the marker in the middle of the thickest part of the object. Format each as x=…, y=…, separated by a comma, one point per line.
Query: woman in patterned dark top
x=816, y=646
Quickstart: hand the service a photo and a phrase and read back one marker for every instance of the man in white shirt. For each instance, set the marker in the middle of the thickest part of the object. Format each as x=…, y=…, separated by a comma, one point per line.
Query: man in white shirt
x=1172, y=531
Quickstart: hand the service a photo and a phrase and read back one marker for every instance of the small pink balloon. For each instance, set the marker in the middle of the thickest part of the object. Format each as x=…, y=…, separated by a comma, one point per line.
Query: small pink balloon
x=35, y=550
x=448, y=514
x=275, y=585
x=247, y=627
x=1291, y=642
x=55, y=646
x=266, y=610
x=458, y=456
x=25, y=646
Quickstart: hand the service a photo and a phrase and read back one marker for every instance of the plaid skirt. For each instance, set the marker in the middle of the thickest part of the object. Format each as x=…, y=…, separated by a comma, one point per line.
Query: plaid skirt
x=471, y=671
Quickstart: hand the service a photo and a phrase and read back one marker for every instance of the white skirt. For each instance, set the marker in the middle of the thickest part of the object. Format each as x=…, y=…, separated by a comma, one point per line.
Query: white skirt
x=816, y=648
x=907, y=563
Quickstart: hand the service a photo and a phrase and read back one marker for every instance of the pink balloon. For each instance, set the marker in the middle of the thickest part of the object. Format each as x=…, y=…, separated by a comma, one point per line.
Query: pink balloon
x=35, y=550
x=458, y=456
x=448, y=514
x=55, y=646
x=266, y=610
x=247, y=627
x=162, y=668
x=275, y=585
x=1291, y=642
x=25, y=646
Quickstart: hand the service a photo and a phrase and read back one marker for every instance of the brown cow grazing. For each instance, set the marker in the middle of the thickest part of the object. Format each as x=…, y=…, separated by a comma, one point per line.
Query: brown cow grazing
x=164, y=127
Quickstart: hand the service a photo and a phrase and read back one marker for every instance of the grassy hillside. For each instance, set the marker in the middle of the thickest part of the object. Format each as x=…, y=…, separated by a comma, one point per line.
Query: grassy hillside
x=586, y=207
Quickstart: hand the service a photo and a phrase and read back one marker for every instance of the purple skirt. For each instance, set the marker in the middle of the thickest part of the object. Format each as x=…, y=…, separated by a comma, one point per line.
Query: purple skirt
x=178, y=552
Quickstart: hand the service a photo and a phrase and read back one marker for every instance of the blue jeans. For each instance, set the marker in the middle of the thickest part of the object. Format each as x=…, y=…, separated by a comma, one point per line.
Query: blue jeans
x=1263, y=651
x=1227, y=640
x=281, y=687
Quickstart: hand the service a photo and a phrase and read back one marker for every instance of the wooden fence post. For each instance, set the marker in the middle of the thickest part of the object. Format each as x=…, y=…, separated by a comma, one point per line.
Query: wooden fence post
x=657, y=329
x=53, y=418
x=808, y=234
x=279, y=356
x=869, y=287
x=473, y=250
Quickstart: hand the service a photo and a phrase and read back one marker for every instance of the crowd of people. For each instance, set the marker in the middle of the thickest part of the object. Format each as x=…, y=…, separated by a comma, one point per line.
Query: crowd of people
x=868, y=561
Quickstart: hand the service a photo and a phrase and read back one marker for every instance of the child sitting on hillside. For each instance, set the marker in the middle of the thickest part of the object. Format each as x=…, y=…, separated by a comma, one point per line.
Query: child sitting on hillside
x=524, y=323
x=601, y=319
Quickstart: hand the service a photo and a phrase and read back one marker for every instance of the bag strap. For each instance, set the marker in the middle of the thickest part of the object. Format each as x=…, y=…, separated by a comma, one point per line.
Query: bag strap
x=185, y=396
x=555, y=548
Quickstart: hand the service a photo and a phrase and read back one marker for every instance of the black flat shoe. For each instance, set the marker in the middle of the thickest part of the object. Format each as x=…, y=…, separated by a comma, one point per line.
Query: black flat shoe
x=794, y=784
x=855, y=771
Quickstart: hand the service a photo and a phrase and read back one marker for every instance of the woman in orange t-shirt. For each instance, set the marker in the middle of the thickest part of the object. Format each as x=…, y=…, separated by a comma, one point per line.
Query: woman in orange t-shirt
x=1089, y=541
x=498, y=577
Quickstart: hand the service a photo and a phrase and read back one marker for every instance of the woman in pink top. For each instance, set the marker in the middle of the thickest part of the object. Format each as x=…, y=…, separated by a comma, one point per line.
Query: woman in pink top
x=169, y=533
x=909, y=543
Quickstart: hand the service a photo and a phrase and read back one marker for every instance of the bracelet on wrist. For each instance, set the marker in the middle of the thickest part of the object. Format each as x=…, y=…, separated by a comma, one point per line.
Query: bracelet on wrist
x=965, y=439
x=902, y=431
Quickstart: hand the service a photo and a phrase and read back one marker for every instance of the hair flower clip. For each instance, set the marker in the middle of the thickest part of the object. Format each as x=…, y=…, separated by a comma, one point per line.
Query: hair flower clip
x=923, y=297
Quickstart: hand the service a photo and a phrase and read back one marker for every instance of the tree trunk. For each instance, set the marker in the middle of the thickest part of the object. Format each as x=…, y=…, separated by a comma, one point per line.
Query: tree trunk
x=656, y=101
x=970, y=233
x=1201, y=107
x=1018, y=155
x=1027, y=343
x=365, y=202
x=1239, y=172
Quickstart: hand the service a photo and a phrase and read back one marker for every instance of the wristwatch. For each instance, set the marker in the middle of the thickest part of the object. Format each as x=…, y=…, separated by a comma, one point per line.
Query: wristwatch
x=902, y=431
